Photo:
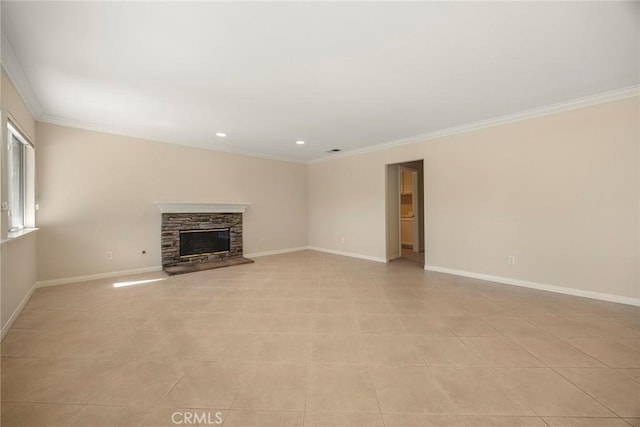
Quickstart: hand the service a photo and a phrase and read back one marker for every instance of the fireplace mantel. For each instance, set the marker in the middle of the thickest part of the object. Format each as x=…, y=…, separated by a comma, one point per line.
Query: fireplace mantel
x=202, y=207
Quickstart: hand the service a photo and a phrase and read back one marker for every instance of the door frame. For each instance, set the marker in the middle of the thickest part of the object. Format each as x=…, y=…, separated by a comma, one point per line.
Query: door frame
x=393, y=220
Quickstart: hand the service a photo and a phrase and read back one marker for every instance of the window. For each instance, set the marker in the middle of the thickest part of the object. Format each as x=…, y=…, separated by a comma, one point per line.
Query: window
x=17, y=171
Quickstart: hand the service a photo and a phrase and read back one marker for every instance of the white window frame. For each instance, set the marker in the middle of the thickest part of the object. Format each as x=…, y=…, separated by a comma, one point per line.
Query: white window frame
x=17, y=217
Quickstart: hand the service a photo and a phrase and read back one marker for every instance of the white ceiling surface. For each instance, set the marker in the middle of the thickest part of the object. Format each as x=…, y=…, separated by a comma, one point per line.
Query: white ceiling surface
x=345, y=75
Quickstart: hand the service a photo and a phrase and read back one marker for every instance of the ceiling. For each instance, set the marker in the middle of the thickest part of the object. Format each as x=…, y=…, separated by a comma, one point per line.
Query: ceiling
x=337, y=75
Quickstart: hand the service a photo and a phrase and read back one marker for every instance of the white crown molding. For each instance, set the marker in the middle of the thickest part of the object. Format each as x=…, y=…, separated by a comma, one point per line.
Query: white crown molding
x=540, y=286
x=202, y=207
x=573, y=104
x=96, y=127
x=16, y=73
x=19, y=79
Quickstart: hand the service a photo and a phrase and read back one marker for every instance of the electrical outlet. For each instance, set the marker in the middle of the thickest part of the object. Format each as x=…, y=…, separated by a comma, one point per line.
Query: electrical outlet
x=511, y=259
x=109, y=255
x=342, y=240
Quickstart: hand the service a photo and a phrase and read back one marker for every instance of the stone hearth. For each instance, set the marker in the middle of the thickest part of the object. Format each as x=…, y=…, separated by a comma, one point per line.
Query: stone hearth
x=180, y=217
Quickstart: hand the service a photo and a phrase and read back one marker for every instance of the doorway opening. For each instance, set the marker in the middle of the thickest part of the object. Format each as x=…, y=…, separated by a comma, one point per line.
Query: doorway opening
x=405, y=211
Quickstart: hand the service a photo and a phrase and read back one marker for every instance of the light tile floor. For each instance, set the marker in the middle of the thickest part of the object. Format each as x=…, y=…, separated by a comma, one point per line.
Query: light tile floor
x=410, y=255
x=319, y=340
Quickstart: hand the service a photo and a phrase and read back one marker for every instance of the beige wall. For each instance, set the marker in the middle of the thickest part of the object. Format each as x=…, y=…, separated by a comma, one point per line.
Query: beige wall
x=560, y=192
x=17, y=256
x=12, y=102
x=96, y=194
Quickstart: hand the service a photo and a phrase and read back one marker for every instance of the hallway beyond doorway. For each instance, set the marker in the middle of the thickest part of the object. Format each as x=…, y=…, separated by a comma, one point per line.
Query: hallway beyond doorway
x=410, y=255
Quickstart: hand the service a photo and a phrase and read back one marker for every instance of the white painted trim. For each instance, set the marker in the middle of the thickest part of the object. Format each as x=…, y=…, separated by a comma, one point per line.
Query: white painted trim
x=12, y=66
x=541, y=286
x=275, y=252
x=349, y=254
x=13, y=236
x=68, y=280
x=573, y=104
x=559, y=107
x=89, y=277
x=202, y=207
x=24, y=88
x=97, y=127
x=19, y=79
x=17, y=311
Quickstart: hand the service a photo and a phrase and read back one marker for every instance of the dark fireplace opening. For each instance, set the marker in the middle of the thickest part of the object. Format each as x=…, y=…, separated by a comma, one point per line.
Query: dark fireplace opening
x=199, y=242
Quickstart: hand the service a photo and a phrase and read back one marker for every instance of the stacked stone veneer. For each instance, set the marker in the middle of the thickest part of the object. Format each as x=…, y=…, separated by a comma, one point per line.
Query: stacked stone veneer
x=173, y=223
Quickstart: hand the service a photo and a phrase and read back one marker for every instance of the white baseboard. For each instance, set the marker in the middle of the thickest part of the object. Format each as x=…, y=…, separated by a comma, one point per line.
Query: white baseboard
x=275, y=252
x=541, y=286
x=17, y=311
x=76, y=279
x=349, y=254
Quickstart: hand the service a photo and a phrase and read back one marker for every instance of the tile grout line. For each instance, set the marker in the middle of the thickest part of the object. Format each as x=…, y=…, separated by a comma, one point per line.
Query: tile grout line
x=306, y=395
x=586, y=392
x=384, y=290
x=375, y=390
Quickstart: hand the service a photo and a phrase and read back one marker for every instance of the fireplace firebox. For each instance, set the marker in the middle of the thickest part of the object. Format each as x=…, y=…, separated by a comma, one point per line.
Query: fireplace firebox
x=203, y=242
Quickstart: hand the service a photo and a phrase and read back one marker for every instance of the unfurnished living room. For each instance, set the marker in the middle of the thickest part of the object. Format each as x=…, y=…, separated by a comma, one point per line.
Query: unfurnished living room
x=272, y=214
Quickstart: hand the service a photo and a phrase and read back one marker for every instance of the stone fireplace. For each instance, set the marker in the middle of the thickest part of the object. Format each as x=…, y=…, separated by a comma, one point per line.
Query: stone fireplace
x=201, y=235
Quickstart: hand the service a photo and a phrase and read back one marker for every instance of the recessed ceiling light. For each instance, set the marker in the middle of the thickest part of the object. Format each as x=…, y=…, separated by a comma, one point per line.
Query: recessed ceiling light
x=221, y=134
x=300, y=142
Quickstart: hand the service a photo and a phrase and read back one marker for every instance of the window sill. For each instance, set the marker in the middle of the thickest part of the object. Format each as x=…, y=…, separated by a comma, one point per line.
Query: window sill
x=15, y=235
